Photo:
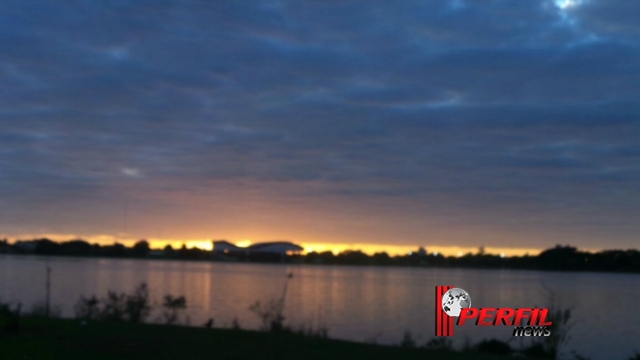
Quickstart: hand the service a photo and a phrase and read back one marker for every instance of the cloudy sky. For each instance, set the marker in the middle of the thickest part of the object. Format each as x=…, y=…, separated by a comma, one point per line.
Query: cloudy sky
x=509, y=124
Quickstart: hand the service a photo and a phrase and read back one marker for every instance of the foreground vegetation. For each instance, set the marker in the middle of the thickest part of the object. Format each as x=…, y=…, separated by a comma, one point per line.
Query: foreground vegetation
x=46, y=338
x=114, y=327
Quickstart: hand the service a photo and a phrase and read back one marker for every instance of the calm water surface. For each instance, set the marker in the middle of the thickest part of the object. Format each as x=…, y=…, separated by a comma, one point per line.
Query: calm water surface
x=356, y=303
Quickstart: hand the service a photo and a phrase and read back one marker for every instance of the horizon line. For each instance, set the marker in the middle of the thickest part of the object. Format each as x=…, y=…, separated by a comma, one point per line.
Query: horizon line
x=311, y=246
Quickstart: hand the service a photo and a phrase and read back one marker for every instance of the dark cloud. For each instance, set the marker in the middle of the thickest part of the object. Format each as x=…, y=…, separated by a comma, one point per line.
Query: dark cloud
x=502, y=112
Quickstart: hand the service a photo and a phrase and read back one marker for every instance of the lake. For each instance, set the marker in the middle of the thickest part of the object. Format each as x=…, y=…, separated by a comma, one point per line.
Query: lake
x=365, y=304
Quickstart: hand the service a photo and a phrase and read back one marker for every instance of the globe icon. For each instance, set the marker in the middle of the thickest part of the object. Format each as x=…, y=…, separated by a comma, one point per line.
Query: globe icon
x=454, y=300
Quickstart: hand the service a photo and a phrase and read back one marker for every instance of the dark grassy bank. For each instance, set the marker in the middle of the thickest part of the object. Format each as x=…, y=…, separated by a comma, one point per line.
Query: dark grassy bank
x=41, y=338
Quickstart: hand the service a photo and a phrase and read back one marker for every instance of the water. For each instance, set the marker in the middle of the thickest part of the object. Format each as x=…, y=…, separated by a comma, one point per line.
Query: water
x=363, y=304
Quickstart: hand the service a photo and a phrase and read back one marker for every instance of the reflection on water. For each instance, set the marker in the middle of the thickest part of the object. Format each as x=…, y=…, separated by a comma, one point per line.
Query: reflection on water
x=356, y=303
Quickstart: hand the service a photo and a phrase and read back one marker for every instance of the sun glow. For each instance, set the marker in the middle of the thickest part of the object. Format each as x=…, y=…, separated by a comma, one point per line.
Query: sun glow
x=243, y=243
x=335, y=248
x=394, y=250
x=566, y=4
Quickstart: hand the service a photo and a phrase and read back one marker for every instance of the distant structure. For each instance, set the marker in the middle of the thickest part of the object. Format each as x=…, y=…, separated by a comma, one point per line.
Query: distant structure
x=223, y=246
x=266, y=251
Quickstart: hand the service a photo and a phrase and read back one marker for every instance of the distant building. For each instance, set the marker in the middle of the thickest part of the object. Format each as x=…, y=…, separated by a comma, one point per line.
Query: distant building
x=275, y=247
x=222, y=246
x=266, y=251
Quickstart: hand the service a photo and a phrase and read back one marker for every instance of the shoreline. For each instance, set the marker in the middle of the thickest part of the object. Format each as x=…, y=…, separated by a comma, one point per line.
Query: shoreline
x=399, y=266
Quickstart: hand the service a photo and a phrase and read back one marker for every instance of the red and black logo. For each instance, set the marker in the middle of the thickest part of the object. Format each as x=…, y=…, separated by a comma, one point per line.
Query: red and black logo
x=455, y=302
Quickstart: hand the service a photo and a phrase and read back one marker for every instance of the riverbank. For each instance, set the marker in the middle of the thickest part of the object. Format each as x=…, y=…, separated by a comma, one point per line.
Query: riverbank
x=41, y=338
x=559, y=258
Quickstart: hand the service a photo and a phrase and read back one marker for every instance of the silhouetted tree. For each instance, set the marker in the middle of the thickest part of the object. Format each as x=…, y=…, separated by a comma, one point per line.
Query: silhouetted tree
x=141, y=248
x=353, y=257
x=4, y=246
x=565, y=258
x=47, y=247
x=115, y=250
x=381, y=258
x=77, y=247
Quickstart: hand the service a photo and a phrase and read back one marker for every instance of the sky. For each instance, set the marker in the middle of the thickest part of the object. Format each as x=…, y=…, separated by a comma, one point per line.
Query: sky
x=514, y=125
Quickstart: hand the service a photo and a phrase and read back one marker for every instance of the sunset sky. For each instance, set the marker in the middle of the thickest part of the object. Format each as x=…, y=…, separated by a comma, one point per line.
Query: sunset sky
x=363, y=124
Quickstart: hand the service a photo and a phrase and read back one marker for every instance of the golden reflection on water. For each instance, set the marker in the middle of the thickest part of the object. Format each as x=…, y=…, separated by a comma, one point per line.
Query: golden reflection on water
x=360, y=303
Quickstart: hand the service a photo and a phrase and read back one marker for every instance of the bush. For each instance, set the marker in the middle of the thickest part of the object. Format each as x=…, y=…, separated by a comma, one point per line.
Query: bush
x=494, y=347
x=235, y=324
x=116, y=307
x=407, y=340
x=536, y=350
x=320, y=331
x=87, y=308
x=40, y=310
x=439, y=344
x=270, y=314
x=172, y=307
x=10, y=318
x=113, y=307
x=137, y=304
x=635, y=357
x=549, y=346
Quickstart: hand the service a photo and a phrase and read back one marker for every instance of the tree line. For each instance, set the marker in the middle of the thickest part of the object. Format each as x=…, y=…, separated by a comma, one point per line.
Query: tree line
x=560, y=258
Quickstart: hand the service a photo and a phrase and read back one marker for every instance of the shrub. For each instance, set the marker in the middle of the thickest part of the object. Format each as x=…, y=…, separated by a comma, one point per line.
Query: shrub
x=40, y=309
x=635, y=357
x=116, y=307
x=407, y=340
x=309, y=330
x=87, y=308
x=494, y=346
x=235, y=324
x=172, y=306
x=270, y=314
x=536, y=350
x=439, y=344
x=10, y=318
x=137, y=304
x=549, y=346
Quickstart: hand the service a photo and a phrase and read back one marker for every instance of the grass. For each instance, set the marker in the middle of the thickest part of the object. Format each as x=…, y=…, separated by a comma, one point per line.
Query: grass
x=42, y=338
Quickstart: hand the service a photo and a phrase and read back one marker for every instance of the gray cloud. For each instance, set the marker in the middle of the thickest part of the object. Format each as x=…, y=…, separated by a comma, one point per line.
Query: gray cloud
x=503, y=112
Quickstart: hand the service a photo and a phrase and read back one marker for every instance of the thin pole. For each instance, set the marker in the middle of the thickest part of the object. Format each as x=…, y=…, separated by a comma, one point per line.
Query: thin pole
x=48, y=291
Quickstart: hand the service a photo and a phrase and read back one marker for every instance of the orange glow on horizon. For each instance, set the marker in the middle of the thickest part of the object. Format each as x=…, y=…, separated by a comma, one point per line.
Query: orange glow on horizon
x=244, y=243
x=393, y=250
x=335, y=248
